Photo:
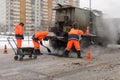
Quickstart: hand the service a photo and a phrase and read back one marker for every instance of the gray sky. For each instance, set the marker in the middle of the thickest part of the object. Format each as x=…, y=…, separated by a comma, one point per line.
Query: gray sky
x=109, y=7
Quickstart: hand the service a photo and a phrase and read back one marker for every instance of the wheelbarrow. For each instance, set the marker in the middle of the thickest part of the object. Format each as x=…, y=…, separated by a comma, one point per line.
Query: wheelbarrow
x=21, y=52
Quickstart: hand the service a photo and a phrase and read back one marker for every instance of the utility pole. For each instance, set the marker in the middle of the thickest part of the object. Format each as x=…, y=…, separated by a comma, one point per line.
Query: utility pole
x=90, y=15
x=50, y=13
x=90, y=4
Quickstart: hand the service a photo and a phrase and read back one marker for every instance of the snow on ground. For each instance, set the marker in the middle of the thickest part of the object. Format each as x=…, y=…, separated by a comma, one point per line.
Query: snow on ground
x=27, y=42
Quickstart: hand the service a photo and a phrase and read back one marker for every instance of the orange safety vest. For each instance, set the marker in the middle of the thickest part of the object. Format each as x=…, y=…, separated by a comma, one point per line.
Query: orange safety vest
x=40, y=35
x=19, y=29
x=73, y=34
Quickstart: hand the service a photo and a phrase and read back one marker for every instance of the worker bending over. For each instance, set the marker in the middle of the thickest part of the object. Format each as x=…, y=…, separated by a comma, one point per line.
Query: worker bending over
x=19, y=34
x=73, y=39
x=37, y=38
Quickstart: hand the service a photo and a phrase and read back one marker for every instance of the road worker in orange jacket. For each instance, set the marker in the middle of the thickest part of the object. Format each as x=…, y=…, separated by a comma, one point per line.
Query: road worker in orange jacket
x=19, y=34
x=37, y=38
x=73, y=39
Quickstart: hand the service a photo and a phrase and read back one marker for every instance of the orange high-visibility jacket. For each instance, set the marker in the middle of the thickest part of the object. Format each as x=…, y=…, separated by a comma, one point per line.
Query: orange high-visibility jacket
x=73, y=34
x=19, y=29
x=40, y=35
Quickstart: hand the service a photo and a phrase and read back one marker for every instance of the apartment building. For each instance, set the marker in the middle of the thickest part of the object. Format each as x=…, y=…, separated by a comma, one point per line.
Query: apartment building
x=36, y=14
x=15, y=11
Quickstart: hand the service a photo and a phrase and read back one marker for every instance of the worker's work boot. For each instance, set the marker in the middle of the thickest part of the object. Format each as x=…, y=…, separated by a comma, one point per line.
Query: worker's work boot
x=37, y=52
x=65, y=53
x=79, y=54
x=34, y=52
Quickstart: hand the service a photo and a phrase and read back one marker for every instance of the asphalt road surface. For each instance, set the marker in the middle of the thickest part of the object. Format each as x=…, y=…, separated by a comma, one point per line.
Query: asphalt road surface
x=103, y=65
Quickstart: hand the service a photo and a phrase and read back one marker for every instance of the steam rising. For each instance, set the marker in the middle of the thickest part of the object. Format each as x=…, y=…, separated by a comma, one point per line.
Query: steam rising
x=109, y=29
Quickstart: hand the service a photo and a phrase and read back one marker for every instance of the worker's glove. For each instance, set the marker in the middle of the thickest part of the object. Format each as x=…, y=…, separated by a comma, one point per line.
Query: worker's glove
x=22, y=36
x=82, y=35
x=41, y=43
x=45, y=39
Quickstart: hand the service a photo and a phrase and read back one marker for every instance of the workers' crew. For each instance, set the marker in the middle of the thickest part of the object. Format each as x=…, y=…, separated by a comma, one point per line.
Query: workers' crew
x=19, y=34
x=37, y=38
x=73, y=39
